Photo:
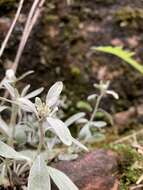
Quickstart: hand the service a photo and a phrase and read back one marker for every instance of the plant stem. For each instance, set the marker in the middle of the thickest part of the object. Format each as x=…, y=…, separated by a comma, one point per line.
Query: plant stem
x=41, y=140
x=96, y=108
x=13, y=124
x=94, y=112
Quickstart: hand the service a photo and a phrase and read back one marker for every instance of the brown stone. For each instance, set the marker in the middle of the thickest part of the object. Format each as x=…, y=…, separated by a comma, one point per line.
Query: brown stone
x=94, y=171
x=4, y=25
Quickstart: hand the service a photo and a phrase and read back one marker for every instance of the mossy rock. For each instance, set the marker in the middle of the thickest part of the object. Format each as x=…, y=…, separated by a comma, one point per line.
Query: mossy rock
x=129, y=16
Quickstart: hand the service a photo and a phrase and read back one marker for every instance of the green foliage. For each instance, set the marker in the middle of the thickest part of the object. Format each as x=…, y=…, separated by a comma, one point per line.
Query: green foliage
x=130, y=167
x=84, y=105
x=122, y=54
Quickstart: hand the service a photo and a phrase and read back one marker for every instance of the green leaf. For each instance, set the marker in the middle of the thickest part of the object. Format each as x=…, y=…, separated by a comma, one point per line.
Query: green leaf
x=61, y=180
x=8, y=152
x=84, y=105
x=123, y=54
x=39, y=178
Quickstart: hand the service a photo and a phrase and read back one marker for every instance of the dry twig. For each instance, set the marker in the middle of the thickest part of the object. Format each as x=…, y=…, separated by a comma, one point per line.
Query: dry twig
x=11, y=28
x=32, y=18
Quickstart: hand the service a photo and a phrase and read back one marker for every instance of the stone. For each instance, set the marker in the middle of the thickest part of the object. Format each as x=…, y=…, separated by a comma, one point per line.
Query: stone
x=96, y=170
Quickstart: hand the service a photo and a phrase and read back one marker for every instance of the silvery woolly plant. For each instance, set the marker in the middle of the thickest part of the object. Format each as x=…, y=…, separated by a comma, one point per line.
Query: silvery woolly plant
x=85, y=133
x=45, y=116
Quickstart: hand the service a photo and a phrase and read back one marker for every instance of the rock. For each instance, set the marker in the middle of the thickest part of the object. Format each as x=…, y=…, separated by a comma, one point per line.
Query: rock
x=94, y=171
x=4, y=25
x=123, y=119
x=140, y=110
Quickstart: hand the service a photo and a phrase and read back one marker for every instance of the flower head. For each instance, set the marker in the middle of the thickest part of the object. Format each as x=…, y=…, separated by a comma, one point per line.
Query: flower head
x=103, y=87
x=45, y=111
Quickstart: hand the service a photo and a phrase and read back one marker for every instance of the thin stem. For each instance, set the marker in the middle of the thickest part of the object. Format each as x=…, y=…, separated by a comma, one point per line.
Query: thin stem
x=11, y=28
x=94, y=111
x=13, y=123
x=32, y=18
x=41, y=140
x=96, y=108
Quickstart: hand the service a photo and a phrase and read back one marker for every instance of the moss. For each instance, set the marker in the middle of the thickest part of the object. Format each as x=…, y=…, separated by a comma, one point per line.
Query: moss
x=6, y=2
x=129, y=16
x=75, y=71
x=128, y=171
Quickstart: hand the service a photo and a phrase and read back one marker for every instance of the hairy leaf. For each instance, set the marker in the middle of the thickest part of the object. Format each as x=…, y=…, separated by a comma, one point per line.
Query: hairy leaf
x=74, y=118
x=61, y=130
x=53, y=93
x=61, y=180
x=39, y=178
x=8, y=152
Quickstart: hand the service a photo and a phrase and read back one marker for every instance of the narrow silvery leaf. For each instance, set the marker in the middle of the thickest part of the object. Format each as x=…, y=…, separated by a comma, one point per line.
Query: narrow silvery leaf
x=79, y=144
x=61, y=180
x=96, y=85
x=55, y=109
x=39, y=178
x=25, y=74
x=38, y=102
x=4, y=127
x=3, y=169
x=85, y=131
x=108, y=116
x=91, y=97
x=10, y=74
x=74, y=118
x=82, y=121
x=25, y=90
x=27, y=105
x=3, y=108
x=53, y=93
x=10, y=88
x=114, y=94
x=52, y=142
x=67, y=157
x=8, y=152
x=20, y=133
x=61, y=130
x=34, y=93
x=98, y=124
